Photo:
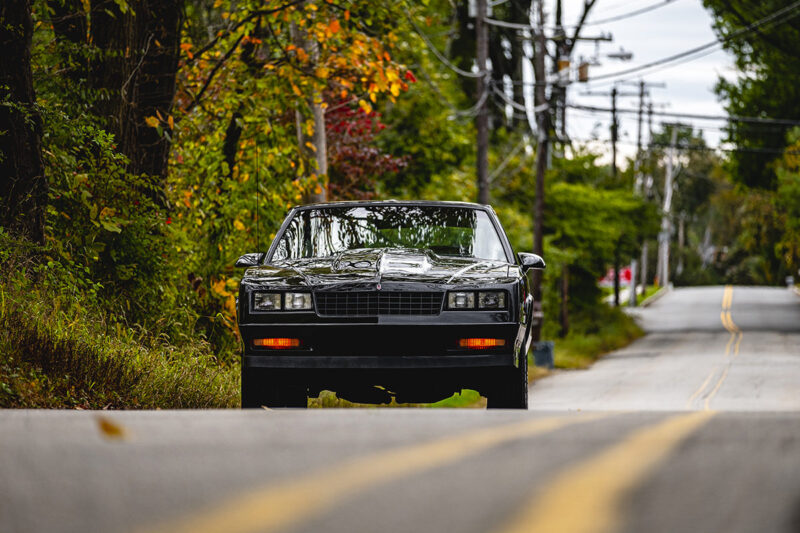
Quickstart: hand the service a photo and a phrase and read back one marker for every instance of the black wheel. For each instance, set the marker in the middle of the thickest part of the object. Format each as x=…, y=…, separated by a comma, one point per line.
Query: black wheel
x=272, y=388
x=508, y=388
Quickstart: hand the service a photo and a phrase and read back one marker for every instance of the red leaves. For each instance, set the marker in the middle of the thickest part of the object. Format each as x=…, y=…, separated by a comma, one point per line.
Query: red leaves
x=410, y=76
x=354, y=160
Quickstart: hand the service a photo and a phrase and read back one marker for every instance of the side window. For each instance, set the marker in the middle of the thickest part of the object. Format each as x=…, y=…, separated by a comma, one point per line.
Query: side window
x=280, y=252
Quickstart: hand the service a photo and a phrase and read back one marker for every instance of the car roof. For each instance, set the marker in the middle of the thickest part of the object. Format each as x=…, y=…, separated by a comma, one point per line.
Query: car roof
x=366, y=203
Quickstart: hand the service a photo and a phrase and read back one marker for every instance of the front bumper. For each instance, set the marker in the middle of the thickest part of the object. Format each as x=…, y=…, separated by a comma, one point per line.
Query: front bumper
x=380, y=346
x=372, y=362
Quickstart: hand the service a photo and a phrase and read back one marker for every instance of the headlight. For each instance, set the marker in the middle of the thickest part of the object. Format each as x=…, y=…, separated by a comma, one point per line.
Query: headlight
x=266, y=301
x=461, y=300
x=298, y=301
x=492, y=300
x=275, y=301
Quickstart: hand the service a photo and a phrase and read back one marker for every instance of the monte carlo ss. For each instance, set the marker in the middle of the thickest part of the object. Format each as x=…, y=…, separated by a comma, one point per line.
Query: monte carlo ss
x=382, y=299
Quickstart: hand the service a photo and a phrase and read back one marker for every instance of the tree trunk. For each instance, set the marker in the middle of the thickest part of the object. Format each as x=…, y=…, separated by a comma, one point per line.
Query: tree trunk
x=616, y=276
x=681, y=243
x=23, y=187
x=319, y=155
x=321, y=149
x=565, y=300
x=135, y=76
x=69, y=26
x=231, y=143
x=110, y=30
x=149, y=88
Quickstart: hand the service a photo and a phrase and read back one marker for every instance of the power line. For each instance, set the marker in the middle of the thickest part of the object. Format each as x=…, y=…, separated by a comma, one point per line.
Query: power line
x=612, y=81
x=630, y=14
x=696, y=147
x=510, y=25
x=706, y=46
x=441, y=57
x=729, y=118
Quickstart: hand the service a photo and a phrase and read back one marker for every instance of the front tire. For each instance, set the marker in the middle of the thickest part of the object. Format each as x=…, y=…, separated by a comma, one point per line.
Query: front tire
x=263, y=387
x=508, y=388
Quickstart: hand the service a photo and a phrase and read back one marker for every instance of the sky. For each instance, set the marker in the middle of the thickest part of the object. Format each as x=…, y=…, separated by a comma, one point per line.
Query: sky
x=672, y=28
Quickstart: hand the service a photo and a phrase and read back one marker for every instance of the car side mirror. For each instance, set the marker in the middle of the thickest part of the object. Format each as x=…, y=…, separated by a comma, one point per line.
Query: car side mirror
x=249, y=260
x=530, y=261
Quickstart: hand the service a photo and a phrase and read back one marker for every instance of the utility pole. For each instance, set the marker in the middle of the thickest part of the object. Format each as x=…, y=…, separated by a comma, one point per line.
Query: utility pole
x=638, y=187
x=663, y=236
x=646, y=189
x=543, y=134
x=559, y=91
x=637, y=182
x=637, y=179
x=614, y=138
x=542, y=109
x=614, y=129
x=482, y=118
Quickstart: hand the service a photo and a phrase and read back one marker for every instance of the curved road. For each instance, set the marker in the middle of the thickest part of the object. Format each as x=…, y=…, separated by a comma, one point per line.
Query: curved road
x=695, y=427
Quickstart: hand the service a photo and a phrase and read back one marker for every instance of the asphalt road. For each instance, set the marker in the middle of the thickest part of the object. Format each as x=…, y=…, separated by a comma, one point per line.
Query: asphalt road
x=630, y=445
x=734, y=349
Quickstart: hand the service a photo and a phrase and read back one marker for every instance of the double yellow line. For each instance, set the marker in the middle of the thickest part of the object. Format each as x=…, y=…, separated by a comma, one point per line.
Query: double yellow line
x=731, y=351
x=727, y=322
x=586, y=498
x=286, y=504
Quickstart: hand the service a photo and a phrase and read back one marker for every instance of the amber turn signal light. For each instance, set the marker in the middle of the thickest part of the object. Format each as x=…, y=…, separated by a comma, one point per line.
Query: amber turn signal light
x=479, y=344
x=277, y=343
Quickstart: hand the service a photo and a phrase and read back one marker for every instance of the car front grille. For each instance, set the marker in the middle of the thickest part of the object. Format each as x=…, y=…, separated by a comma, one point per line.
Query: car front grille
x=373, y=303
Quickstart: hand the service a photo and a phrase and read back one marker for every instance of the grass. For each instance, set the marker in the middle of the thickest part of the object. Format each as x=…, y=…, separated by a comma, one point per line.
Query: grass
x=649, y=291
x=467, y=398
x=580, y=349
x=57, y=354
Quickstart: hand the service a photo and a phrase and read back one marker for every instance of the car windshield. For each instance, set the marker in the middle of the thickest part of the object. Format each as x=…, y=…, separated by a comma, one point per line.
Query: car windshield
x=445, y=230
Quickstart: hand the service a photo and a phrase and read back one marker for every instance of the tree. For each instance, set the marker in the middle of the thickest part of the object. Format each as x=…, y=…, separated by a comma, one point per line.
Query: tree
x=23, y=186
x=769, y=58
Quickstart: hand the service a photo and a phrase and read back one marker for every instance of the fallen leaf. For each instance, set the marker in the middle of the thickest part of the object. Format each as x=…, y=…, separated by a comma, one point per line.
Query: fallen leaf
x=111, y=430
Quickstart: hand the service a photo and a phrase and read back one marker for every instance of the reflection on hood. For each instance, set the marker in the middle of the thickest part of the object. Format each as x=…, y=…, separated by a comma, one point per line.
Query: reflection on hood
x=380, y=265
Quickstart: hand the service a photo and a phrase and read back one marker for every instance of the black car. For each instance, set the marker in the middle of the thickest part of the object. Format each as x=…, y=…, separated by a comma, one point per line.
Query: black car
x=415, y=300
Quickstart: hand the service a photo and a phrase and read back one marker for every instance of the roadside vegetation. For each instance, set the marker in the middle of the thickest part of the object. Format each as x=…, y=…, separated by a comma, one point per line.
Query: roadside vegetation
x=60, y=349
x=155, y=142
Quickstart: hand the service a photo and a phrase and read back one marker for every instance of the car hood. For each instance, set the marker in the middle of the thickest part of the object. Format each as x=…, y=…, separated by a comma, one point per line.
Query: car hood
x=381, y=265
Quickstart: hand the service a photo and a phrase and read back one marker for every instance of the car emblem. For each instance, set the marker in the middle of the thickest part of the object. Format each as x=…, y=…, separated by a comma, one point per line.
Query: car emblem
x=378, y=286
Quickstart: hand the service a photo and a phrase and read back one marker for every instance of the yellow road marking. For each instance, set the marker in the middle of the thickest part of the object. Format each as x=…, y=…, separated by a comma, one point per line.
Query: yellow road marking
x=727, y=296
x=717, y=387
x=697, y=393
x=590, y=497
x=738, y=342
x=728, y=344
x=736, y=336
x=727, y=322
x=734, y=341
x=285, y=504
